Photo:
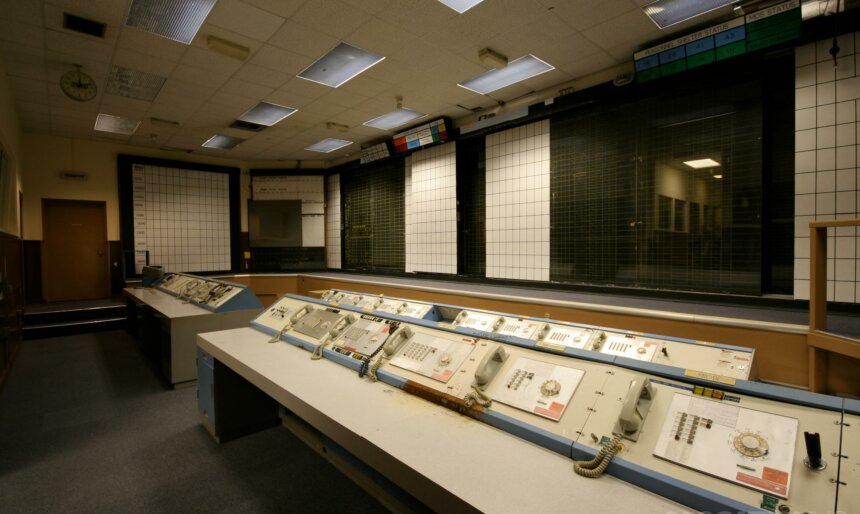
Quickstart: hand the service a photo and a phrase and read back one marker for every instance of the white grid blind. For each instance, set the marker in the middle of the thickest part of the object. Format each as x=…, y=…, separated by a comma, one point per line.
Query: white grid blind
x=332, y=221
x=826, y=161
x=182, y=217
x=517, y=212
x=431, y=210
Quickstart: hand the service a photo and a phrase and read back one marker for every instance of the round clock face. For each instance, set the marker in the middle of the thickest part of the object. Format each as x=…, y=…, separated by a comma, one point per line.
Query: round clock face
x=78, y=86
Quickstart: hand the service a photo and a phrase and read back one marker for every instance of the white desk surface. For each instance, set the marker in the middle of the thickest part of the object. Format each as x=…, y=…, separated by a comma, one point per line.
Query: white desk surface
x=168, y=305
x=489, y=469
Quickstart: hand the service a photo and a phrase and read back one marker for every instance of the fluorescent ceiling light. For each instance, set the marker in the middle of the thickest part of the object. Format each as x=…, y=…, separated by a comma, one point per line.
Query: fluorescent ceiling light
x=342, y=63
x=461, y=6
x=665, y=13
x=134, y=84
x=525, y=67
x=702, y=163
x=328, y=145
x=394, y=119
x=222, y=141
x=267, y=114
x=116, y=124
x=178, y=20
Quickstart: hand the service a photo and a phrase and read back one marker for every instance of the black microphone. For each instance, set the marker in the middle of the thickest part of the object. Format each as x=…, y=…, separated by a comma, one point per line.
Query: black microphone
x=813, y=451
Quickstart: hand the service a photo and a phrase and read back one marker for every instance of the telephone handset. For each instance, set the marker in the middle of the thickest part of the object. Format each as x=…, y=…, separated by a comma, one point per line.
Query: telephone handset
x=487, y=369
x=499, y=322
x=599, y=337
x=307, y=309
x=490, y=366
x=333, y=333
x=637, y=403
x=544, y=332
x=396, y=341
x=389, y=348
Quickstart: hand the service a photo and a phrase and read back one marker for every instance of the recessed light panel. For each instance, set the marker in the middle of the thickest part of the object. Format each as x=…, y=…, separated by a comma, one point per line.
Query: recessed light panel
x=222, y=141
x=134, y=84
x=461, y=6
x=178, y=20
x=342, y=63
x=328, y=145
x=267, y=114
x=702, y=163
x=525, y=67
x=394, y=119
x=665, y=13
x=116, y=124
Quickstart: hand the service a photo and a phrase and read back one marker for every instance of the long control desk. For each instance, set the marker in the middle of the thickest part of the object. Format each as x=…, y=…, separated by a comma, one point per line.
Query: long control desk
x=167, y=327
x=477, y=468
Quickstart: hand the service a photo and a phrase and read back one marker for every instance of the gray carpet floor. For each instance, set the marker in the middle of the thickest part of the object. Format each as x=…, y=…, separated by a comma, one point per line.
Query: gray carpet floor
x=86, y=426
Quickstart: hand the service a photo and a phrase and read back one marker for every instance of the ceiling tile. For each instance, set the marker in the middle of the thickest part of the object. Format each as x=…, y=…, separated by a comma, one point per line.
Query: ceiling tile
x=263, y=76
x=281, y=60
x=323, y=108
x=111, y=17
x=303, y=40
x=631, y=27
x=419, y=16
x=194, y=79
x=303, y=88
x=344, y=98
x=370, y=6
x=584, y=14
x=150, y=44
x=24, y=34
x=22, y=12
x=79, y=46
x=589, y=64
x=283, y=8
x=239, y=103
x=201, y=40
x=332, y=17
x=134, y=60
x=34, y=71
x=16, y=52
x=238, y=87
x=288, y=99
x=244, y=19
x=210, y=61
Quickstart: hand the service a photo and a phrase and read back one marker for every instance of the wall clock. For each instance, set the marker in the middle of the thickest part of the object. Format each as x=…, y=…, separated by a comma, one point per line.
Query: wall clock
x=77, y=85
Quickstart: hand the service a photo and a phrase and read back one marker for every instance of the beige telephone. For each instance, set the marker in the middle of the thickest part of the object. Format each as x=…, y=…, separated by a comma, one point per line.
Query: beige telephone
x=637, y=403
x=332, y=334
x=307, y=309
x=488, y=368
x=389, y=348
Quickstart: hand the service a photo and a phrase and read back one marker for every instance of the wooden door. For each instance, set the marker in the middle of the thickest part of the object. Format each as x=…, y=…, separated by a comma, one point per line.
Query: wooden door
x=74, y=250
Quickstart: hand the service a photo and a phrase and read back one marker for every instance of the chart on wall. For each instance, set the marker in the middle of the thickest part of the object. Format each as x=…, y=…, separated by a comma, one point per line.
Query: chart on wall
x=181, y=218
x=309, y=191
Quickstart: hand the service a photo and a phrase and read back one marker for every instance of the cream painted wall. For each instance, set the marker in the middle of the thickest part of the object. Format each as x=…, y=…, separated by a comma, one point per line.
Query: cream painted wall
x=10, y=140
x=48, y=156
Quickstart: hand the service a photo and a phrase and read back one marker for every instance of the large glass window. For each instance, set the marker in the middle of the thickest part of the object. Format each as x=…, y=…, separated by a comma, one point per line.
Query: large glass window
x=373, y=217
x=661, y=192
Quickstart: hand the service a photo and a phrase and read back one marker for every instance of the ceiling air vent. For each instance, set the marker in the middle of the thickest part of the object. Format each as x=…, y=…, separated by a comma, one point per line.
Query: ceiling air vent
x=83, y=25
x=247, y=125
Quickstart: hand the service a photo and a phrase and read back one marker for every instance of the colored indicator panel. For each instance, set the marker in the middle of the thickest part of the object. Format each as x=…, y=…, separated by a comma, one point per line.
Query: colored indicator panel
x=731, y=50
x=792, y=16
x=673, y=68
x=647, y=63
x=730, y=36
x=701, y=59
x=648, y=75
x=772, y=30
x=672, y=55
x=774, y=39
x=699, y=46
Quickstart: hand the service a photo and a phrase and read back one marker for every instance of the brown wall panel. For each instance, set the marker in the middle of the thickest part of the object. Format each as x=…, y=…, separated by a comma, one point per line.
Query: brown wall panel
x=11, y=301
x=269, y=288
x=33, y=272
